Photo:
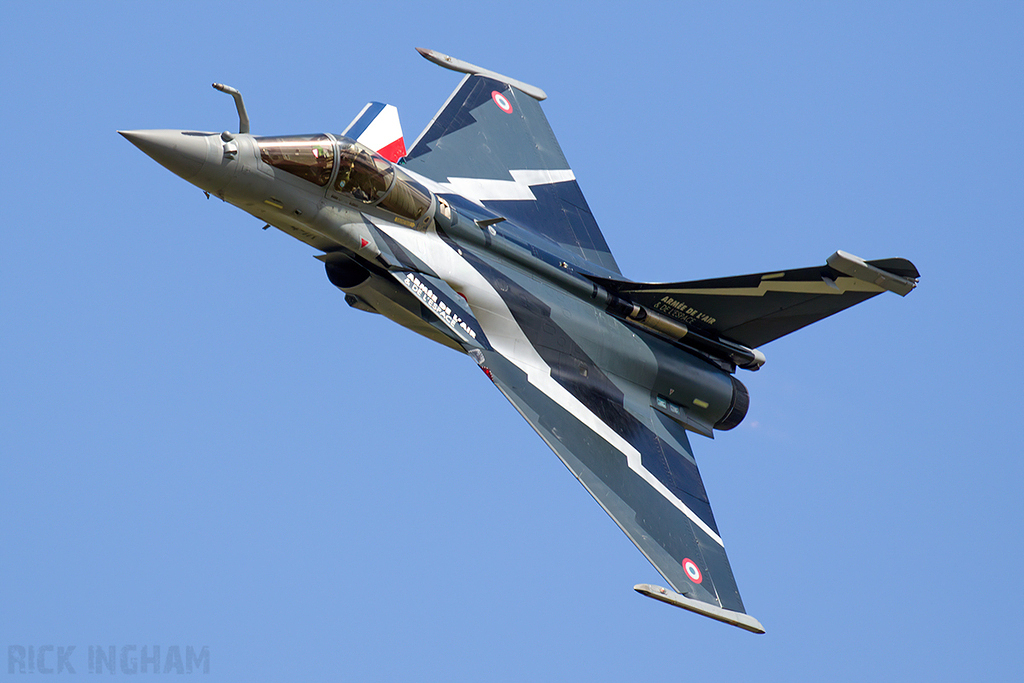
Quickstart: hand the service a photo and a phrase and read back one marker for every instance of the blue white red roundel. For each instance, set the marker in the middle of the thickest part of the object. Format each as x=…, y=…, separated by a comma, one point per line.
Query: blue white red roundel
x=501, y=101
x=692, y=571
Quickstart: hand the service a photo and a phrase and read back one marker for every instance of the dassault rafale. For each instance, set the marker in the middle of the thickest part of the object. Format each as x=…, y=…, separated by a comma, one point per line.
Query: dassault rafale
x=478, y=237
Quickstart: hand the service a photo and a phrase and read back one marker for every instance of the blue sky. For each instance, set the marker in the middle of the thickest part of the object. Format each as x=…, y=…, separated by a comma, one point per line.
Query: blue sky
x=202, y=445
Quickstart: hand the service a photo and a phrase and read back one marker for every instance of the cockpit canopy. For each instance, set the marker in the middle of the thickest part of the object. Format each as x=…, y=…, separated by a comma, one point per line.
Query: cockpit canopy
x=363, y=175
x=371, y=179
x=311, y=157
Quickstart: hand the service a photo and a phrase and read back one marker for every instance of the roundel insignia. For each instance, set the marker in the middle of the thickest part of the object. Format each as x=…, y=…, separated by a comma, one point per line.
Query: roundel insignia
x=501, y=101
x=692, y=571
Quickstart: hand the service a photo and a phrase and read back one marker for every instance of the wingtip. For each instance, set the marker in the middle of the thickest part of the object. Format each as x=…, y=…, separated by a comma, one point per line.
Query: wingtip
x=441, y=59
x=870, y=272
x=739, y=619
x=449, y=62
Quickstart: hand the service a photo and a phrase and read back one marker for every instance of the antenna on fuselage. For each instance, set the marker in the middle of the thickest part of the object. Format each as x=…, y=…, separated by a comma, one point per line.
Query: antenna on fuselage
x=243, y=118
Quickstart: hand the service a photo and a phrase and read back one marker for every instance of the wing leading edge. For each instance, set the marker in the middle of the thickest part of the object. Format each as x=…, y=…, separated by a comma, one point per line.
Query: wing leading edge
x=691, y=559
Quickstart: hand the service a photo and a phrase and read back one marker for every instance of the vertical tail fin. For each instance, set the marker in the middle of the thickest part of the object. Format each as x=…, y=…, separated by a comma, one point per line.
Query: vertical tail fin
x=377, y=126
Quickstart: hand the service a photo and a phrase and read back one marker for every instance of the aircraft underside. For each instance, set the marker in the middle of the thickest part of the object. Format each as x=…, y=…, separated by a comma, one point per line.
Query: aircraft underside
x=478, y=237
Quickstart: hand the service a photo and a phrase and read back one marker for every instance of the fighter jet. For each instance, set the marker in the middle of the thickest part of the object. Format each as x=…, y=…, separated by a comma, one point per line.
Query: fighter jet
x=479, y=238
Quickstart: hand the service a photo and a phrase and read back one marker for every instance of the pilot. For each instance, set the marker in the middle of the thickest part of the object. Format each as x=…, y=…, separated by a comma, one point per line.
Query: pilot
x=345, y=173
x=362, y=178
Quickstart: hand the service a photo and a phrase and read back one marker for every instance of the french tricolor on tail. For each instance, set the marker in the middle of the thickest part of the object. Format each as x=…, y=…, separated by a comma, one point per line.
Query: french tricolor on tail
x=377, y=126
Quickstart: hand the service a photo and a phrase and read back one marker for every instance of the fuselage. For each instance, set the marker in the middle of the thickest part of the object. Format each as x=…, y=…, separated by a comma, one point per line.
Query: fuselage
x=446, y=267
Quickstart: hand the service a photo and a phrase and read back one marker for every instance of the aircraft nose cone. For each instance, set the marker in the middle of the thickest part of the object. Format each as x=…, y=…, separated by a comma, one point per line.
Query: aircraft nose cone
x=180, y=151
